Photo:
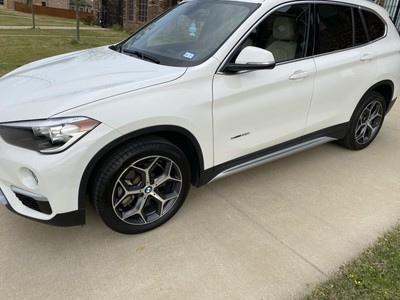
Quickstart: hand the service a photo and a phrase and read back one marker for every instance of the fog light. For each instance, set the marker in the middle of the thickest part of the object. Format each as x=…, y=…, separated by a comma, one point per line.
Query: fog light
x=28, y=178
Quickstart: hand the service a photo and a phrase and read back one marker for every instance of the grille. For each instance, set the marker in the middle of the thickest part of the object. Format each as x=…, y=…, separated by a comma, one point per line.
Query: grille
x=40, y=206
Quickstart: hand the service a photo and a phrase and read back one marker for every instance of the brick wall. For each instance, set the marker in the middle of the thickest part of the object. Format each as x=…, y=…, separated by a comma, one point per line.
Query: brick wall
x=154, y=9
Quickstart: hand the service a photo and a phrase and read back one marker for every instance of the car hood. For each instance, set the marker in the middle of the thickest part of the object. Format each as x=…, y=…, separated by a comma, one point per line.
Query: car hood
x=56, y=84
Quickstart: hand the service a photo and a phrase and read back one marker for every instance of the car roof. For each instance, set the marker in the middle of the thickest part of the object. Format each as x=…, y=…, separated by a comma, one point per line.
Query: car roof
x=248, y=1
x=365, y=3
x=362, y=3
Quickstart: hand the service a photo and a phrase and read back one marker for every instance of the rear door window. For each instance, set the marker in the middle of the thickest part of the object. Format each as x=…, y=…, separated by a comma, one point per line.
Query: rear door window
x=339, y=27
x=334, y=28
x=360, y=35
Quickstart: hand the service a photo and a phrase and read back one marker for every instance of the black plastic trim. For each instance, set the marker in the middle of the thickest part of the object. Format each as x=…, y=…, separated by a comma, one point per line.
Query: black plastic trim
x=377, y=88
x=336, y=132
x=73, y=218
x=390, y=105
x=234, y=68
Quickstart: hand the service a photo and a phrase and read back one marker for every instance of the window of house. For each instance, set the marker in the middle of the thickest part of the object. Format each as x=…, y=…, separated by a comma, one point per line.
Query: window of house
x=376, y=27
x=43, y=4
x=131, y=6
x=142, y=10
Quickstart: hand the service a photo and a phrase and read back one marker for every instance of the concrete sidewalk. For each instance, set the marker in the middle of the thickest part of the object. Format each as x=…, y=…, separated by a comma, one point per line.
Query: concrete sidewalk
x=269, y=233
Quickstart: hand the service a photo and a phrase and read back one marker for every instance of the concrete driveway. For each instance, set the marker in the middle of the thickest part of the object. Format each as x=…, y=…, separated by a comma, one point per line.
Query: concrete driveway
x=268, y=233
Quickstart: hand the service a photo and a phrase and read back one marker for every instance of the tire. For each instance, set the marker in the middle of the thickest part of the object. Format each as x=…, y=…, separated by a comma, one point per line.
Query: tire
x=365, y=122
x=141, y=185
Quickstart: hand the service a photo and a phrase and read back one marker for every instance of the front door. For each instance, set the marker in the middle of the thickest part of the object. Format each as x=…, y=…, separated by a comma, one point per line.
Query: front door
x=258, y=109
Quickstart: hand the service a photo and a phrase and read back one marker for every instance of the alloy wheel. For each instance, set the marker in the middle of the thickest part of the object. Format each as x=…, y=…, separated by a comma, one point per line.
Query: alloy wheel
x=369, y=122
x=146, y=190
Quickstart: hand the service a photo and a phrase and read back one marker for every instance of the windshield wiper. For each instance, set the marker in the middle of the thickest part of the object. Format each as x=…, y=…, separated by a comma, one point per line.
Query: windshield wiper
x=141, y=55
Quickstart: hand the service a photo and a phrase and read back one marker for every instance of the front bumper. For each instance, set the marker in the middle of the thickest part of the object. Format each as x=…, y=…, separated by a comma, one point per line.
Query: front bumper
x=72, y=218
x=45, y=188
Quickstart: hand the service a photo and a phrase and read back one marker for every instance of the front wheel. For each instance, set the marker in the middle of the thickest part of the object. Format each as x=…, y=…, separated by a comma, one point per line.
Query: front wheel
x=366, y=122
x=141, y=185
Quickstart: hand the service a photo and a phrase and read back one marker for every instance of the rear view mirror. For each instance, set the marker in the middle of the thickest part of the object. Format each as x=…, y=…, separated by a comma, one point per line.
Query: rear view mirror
x=252, y=58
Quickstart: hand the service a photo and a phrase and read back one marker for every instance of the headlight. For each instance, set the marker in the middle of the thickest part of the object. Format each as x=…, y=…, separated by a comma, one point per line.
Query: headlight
x=47, y=136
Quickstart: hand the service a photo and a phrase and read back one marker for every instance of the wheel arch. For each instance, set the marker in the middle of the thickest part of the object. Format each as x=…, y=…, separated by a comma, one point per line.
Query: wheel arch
x=180, y=137
x=385, y=88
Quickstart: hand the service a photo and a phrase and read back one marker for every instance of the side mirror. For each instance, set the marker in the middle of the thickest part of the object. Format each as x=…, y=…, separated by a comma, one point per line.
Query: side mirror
x=252, y=58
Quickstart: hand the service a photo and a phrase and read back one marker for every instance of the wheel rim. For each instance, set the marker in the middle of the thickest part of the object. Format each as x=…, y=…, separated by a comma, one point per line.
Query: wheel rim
x=369, y=122
x=146, y=190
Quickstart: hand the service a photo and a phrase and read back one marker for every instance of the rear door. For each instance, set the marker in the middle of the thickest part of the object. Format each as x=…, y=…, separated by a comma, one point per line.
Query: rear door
x=345, y=63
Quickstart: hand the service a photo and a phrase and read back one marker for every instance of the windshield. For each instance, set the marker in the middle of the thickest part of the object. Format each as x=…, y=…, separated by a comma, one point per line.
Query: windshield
x=188, y=34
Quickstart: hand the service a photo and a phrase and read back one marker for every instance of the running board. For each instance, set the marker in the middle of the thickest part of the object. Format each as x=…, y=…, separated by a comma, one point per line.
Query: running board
x=273, y=156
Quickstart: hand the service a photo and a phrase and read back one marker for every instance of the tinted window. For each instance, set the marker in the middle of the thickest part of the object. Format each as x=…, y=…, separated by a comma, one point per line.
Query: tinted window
x=360, y=36
x=285, y=33
x=376, y=27
x=334, y=28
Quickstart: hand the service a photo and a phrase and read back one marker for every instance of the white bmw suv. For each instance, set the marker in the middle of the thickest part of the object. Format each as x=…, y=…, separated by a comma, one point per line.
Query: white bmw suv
x=208, y=89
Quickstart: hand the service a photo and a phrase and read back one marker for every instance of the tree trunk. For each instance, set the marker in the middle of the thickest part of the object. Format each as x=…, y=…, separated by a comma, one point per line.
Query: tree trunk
x=33, y=15
x=78, y=35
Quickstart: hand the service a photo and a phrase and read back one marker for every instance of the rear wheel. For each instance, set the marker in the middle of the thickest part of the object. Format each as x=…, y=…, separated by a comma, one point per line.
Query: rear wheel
x=141, y=186
x=366, y=122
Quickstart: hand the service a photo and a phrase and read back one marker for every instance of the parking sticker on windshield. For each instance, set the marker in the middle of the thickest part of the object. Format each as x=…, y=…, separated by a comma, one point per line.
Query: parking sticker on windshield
x=188, y=55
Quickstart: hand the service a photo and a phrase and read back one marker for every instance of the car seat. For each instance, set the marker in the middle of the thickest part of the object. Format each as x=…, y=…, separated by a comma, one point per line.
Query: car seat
x=285, y=45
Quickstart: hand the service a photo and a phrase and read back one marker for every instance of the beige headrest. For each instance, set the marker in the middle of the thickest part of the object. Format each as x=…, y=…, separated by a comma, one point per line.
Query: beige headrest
x=284, y=29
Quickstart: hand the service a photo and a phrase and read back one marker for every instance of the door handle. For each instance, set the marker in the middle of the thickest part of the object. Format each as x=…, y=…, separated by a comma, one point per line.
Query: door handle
x=367, y=57
x=300, y=74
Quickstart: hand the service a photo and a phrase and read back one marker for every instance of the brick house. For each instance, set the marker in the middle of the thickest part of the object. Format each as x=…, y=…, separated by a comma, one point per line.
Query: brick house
x=136, y=13
x=131, y=14
x=84, y=5
x=49, y=3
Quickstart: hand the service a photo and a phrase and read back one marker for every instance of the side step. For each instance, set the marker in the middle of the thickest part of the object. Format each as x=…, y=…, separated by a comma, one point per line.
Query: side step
x=273, y=156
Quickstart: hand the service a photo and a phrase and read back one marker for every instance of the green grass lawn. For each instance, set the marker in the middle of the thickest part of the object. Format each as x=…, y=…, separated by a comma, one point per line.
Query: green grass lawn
x=21, y=46
x=374, y=275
